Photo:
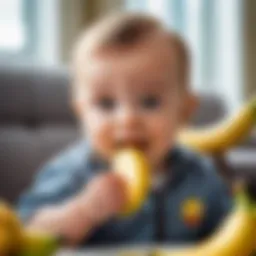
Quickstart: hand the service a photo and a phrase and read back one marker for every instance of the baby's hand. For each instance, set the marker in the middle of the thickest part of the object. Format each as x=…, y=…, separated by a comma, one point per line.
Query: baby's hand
x=100, y=200
x=104, y=197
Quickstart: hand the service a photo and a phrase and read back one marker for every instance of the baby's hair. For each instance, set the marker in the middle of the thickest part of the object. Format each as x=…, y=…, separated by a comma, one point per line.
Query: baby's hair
x=123, y=31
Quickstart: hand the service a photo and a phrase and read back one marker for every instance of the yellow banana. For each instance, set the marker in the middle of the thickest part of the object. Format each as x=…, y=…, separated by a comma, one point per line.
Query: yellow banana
x=133, y=167
x=38, y=244
x=236, y=236
x=14, y=240
x=10, y=230
x=5, y=239
x=5, y=242
x=221, y=137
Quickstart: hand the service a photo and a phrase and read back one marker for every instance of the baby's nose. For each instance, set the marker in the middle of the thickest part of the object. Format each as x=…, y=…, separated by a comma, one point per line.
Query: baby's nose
x=128, y=118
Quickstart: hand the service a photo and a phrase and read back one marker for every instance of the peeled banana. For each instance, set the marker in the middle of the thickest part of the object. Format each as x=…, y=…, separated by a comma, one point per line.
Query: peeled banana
x=133, y=167
x=221, y=137
x=235, y=237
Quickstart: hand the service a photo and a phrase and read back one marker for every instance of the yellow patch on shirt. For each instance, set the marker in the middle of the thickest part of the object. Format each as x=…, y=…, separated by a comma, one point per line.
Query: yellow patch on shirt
x=192, y=211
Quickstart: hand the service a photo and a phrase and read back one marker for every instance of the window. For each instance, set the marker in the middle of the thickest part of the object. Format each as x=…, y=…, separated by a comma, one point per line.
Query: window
x=213, y=32
x=12, y=37
x=29, y=32
x=17, y=23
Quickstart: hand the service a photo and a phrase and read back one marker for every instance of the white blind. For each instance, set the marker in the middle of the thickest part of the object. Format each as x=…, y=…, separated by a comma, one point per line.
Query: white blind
x=12, y=29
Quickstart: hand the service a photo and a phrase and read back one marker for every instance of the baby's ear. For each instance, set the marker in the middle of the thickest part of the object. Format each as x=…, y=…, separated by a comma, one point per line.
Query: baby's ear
x=190, y=105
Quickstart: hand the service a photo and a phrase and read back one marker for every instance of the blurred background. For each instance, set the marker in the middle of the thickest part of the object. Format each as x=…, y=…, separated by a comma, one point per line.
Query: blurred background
x=220, y=33
x=36, y=38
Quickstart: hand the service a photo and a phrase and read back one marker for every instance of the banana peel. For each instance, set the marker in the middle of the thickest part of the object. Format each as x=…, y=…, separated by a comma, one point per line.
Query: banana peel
x=222, y=136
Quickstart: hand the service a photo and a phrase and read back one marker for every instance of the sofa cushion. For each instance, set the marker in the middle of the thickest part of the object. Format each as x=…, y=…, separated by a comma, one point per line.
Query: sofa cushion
x=24, y=151
x=34, y=96
x=211, y=109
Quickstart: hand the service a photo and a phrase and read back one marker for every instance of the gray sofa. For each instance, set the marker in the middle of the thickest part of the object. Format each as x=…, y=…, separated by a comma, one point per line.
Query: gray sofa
x=36, y=122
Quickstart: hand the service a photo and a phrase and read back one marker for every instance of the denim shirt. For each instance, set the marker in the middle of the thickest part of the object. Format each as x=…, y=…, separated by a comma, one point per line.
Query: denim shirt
x=161, y=219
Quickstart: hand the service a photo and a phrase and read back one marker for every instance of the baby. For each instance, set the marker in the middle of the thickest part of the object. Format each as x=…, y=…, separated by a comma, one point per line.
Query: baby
x=130, y=89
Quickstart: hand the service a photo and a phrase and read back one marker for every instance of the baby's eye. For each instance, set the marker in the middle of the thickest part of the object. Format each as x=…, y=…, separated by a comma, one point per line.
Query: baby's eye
x=150, y=102
x=106, y=103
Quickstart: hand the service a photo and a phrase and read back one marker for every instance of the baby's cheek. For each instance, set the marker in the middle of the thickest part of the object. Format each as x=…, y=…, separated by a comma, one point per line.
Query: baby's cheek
x=99, y=130
x=164, y=125
x=163, y=134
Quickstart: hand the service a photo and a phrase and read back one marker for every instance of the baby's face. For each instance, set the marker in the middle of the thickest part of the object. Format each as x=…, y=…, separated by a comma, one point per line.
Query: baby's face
x=132, y=98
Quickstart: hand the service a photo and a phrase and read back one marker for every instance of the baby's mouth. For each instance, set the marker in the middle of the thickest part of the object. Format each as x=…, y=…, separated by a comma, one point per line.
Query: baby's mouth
x=132, y=143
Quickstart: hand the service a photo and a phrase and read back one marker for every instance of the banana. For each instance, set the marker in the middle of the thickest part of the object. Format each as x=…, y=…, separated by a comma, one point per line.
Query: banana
x=5, y=242
x=133, y=167
x=221, y=137
x=10, y=230
x=38, y=244
x=5, y=239
x=14, y=240
x=235, y=237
